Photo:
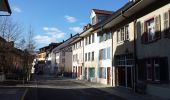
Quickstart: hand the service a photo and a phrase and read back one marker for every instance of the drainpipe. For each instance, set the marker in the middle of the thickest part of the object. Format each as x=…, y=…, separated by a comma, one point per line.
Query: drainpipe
x=112, y=59
x=83, y=67
x=135, y=57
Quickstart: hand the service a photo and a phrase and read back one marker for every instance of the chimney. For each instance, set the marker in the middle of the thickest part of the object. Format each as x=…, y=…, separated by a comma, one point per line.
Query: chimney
x=71, y=35
x=132, y=0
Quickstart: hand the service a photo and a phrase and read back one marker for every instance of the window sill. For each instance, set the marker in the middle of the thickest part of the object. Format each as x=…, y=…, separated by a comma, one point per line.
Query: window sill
x=121, y=42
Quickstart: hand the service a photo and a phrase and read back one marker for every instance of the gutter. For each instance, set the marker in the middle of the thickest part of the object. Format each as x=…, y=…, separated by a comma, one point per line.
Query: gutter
x=119, y=12
x=8, y=7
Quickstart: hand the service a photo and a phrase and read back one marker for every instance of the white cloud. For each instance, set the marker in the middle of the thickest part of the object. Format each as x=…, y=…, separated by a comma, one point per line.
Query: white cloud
x=51, y=35
x=70, y=19
x=76, y=29
x=17, y=9
x=54, y=32
x=44, y=39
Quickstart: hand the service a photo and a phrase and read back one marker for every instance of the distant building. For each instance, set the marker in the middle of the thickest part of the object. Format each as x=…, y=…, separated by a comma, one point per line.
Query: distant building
x=44, y=58
x=62, y=57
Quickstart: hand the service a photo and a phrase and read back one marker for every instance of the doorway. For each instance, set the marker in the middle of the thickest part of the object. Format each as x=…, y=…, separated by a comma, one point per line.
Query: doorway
x=108, y=75
x=125, y=77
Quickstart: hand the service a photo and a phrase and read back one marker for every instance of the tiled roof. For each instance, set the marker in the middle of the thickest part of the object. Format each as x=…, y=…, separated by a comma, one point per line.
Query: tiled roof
x=98, y=11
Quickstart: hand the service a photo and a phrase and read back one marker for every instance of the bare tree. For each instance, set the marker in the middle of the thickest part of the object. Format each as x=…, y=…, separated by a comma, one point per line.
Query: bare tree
x=10, y=30
x=21, y=44
x=30, y=42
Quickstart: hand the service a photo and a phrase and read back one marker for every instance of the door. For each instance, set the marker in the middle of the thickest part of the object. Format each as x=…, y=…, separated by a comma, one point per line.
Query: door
x=108, y=75
x=121, y=76
x=76, y=72
x=129, y=77
x=125, y=77
x=79, y=71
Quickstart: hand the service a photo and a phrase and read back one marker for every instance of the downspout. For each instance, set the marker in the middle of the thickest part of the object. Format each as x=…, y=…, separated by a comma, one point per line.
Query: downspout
x=112, y=58
x=83, y=67
x=135, y=57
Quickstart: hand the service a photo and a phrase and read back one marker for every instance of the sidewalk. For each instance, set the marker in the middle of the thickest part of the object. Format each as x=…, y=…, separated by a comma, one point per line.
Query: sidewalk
x=121, y=92
x=11, y=93
x=12, y=90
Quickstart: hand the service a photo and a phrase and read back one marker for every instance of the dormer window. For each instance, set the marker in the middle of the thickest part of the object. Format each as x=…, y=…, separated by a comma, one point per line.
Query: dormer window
x=94, y=20
x=100, y=18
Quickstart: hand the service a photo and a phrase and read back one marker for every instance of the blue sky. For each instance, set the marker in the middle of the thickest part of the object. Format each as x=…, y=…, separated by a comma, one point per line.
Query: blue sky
x=54, y=20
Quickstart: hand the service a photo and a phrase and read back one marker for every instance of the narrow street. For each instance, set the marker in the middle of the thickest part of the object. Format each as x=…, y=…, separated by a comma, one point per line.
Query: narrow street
x=49, y=88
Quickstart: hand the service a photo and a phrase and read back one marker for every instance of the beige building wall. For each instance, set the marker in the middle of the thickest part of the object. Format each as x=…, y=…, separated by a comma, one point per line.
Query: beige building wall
x=159, y=48
x=122, y=47
x=79, y=61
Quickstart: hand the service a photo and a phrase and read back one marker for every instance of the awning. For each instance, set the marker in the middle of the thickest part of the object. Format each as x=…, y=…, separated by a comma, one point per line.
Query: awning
x=4, y=8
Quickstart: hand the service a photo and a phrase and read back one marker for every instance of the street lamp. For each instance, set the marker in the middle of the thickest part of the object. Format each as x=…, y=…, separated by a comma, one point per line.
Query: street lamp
x=5, y=8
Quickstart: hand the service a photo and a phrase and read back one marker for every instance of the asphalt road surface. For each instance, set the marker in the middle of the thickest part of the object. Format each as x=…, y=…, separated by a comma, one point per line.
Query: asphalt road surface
x=48, y=88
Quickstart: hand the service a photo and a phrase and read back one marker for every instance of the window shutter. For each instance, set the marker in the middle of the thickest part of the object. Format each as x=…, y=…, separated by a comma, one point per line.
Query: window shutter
x=142, y=32
x=157, y=27
x=141, y=70
x=144, y=36
x=164, y=73
x=169, y=24
x=166, y=24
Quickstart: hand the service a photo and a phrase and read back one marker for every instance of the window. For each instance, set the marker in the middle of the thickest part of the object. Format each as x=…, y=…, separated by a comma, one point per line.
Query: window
x=124, y=60
x=118, y=35
x=89, y=39
x=166, y=18
x=109, y=35
x=104, y=54
x=85, y=56
x=93, y=20
x=63, y=53
x=92, y=72
x=156, y=70
x=149, y=69
x=123, y=34
x=86, y=41
x=76, y=57
x=102, y=72
x=63, y=60
x=100, y=54
x=89, y=56
x=92, y=56
x=150, y=29
x=93, y=38
x=108, y=53
x=100, y=18
x=101, y=37
x=73, y=58
x=80, y=43
x=126, y=32
x=153, y=69
x=104, y=37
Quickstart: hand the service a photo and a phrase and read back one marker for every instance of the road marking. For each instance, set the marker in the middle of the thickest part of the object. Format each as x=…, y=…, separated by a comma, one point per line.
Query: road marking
x=25, y=92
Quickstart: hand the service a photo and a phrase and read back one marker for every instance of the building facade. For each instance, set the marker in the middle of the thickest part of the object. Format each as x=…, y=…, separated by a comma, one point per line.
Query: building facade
x=62, y=57
x=153, y=50
x=77, y=58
